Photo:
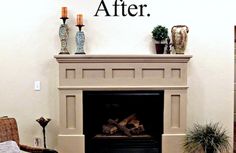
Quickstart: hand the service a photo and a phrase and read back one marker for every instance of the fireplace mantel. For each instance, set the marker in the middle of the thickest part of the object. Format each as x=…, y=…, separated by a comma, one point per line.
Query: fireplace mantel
x=78, y=73
x=158, y=58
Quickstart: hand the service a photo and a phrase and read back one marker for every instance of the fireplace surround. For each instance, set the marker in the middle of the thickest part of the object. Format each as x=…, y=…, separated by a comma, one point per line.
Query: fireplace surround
x=79, y=74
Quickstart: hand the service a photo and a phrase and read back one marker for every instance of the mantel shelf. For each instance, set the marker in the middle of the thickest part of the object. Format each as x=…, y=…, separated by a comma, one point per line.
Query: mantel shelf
x=156, y=58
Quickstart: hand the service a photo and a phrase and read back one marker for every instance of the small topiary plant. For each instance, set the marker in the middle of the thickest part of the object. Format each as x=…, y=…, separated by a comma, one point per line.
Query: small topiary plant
x=160, y=33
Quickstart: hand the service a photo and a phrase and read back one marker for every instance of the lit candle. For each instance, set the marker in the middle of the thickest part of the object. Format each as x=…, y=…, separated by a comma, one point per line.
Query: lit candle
x=64, y=12
x=79, y=19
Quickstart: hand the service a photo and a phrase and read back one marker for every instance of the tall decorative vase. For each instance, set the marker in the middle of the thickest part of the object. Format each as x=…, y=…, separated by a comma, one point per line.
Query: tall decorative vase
x=179, y=38
x=80, y=39
x=64, y=35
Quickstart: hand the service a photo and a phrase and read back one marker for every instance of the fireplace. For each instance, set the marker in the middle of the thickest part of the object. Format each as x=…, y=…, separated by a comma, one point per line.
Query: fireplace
x=138, y=108
x=153, y=88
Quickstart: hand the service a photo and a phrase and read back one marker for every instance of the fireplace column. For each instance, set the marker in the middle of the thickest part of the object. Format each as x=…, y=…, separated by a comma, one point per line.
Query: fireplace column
x=174, y=120
x=71, y=138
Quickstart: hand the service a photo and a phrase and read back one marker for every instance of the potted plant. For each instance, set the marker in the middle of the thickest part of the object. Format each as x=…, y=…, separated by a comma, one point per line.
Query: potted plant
x=160, y=33
x=209, y=138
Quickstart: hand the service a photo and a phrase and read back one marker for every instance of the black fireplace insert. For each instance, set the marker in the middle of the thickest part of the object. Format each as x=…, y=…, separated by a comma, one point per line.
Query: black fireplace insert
x=123, y=121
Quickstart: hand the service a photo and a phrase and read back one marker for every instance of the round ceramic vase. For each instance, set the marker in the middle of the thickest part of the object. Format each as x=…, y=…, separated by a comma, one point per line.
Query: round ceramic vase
x=179, y=38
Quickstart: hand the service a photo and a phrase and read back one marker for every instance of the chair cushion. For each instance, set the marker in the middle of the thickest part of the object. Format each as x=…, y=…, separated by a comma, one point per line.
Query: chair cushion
x=9, y=147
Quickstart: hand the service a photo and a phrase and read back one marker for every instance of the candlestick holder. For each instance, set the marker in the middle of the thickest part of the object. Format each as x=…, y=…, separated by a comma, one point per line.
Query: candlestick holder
x=80, y=39
x=64, y=35
x=64, y=19
x=43, y=123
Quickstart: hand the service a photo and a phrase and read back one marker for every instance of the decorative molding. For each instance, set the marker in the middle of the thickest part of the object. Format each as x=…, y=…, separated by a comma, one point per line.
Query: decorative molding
x=108, y=88
x=175, y=111
x=70, y=111
x=70, y=74
x=93, y=73
x=153, y=73
x=162, y=58
x=122, y=70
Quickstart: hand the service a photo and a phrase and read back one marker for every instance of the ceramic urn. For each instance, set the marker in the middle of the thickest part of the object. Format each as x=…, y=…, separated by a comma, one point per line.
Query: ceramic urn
x=179, y=38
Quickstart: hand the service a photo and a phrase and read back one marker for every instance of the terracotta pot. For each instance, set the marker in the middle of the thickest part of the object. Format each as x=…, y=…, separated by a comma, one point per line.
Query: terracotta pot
x=179, y=38
x=160, y=48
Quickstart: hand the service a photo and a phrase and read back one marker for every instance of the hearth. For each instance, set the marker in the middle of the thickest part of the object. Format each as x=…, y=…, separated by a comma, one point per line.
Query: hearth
x=124, y=145
x=145, y=108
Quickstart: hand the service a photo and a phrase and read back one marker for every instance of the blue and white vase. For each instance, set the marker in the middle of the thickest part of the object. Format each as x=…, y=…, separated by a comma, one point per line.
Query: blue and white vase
x=80, y=39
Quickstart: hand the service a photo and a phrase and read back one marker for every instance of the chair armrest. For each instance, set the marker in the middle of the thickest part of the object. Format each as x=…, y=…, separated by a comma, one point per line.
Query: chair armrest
x=49, y=151
x=36, y=149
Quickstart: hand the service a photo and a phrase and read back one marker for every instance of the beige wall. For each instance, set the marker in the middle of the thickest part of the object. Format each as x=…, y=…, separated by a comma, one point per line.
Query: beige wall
x=29, y=40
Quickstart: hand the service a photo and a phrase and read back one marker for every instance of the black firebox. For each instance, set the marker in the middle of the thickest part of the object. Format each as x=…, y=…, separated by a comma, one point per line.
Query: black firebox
x=102, y=107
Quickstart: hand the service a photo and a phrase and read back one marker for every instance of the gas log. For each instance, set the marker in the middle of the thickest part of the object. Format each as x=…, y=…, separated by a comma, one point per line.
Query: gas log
x=128, y=126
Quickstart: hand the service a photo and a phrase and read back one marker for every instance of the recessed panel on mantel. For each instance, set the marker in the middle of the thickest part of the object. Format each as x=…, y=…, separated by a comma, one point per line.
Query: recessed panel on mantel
x=158, y=73
x=93, y=73
x=123, y=73
x=70, y=74
x=176, y=73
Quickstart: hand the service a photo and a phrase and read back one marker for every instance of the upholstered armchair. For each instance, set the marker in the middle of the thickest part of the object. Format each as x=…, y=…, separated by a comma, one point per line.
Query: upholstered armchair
x=9, y=131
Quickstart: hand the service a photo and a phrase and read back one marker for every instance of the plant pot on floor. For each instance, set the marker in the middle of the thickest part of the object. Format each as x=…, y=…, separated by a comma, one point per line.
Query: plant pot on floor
x=160, y=48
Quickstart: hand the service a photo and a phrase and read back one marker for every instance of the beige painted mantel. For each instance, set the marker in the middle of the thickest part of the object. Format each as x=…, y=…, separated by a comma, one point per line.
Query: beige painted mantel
x=78, y=73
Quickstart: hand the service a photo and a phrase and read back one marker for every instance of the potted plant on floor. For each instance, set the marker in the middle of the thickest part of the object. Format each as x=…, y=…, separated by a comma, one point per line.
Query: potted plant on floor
x=160, y=33
x=209, y=138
